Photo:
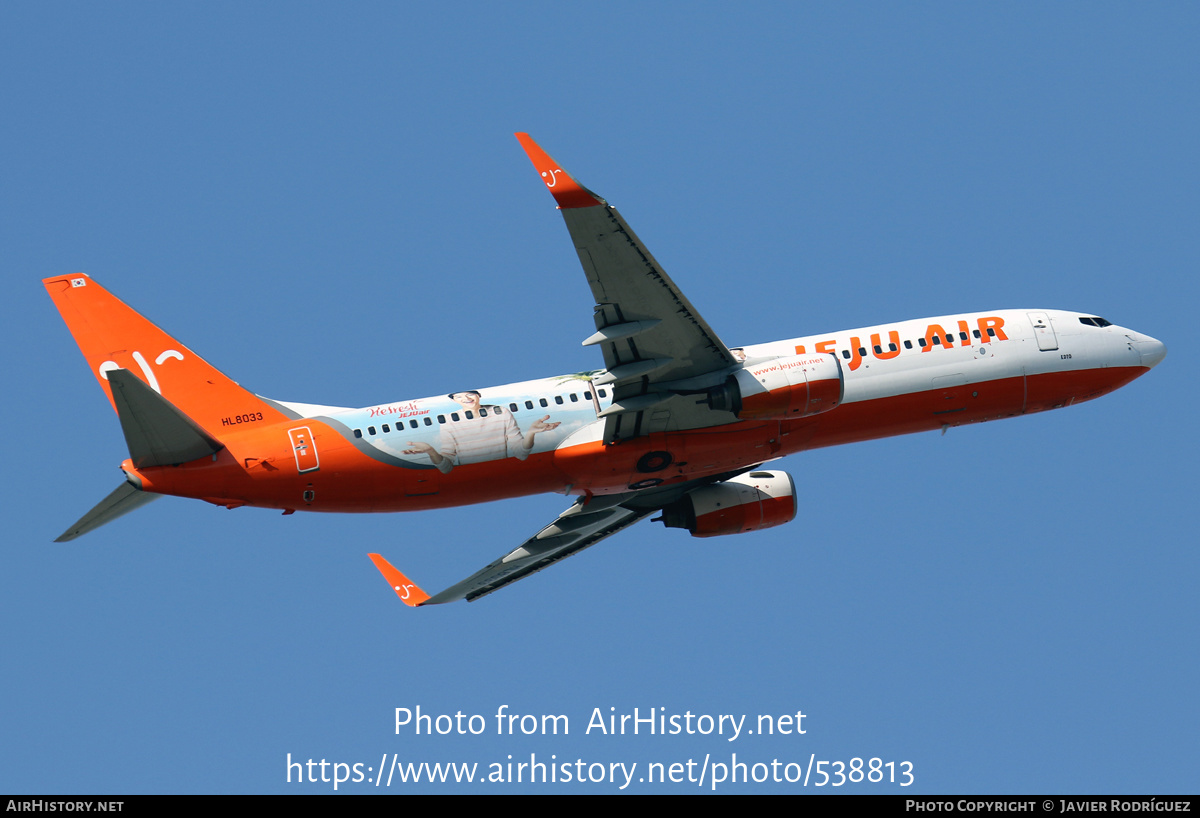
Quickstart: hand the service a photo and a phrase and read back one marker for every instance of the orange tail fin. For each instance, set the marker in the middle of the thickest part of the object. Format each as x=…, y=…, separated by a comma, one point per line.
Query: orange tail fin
x=113, y=336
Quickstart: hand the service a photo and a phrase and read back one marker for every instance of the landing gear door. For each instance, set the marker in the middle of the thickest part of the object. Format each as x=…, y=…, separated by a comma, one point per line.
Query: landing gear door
x=1043, y=331
x=304, y=449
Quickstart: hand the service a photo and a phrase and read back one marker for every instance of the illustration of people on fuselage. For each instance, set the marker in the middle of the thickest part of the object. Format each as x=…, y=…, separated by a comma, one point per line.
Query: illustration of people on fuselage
x=485, y=433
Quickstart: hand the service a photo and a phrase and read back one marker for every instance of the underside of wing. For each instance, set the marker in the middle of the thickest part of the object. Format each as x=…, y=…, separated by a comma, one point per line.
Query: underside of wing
x=585, y=523
x=574, y=530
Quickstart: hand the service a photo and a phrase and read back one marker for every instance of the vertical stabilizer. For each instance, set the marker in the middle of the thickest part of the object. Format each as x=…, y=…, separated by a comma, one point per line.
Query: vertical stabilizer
x=113, y=336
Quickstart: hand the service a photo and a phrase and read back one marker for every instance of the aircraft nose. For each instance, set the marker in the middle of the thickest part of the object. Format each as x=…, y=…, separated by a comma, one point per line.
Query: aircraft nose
x=1152, y=350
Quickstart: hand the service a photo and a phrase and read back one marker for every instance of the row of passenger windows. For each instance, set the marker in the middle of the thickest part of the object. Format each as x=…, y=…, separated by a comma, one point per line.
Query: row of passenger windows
x=924, y=342
x=574, y=398
x=937, y=340
x=483, y=412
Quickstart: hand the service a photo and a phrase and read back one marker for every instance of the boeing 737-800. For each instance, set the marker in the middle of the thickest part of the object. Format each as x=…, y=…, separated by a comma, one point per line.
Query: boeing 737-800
x=676, y=423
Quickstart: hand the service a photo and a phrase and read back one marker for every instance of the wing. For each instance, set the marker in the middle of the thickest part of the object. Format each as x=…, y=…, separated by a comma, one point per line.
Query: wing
x=574, y=530
x=584, y=524
x=655, y=343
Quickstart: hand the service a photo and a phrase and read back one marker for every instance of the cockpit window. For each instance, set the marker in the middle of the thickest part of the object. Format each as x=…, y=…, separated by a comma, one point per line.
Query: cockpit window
x=1095, y=322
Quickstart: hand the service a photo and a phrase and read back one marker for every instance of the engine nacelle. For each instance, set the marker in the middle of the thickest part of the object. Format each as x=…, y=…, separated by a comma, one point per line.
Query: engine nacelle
x=748, y=502
x=784, y=388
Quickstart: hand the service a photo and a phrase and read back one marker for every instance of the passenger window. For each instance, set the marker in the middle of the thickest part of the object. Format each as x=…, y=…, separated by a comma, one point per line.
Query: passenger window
x=558, y=399
x=441, y=418
x=413, y=423
x=574, y=398
x=846, y=354
x=370, y=430
x=603, y=394
x=908, y=344
x=471, y=414
x=962, y=336
x=386, y=428
x=975, y=333
x=512, y=407
x=358, y=432
x=428, y=422
x=542, y=401
x=454, y=416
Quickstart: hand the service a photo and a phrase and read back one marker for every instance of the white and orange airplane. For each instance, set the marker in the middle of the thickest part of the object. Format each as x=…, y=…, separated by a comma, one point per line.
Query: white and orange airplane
x=676, y=423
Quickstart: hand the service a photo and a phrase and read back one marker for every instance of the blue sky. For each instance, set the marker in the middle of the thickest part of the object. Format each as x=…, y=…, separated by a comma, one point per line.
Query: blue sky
x=328, y=204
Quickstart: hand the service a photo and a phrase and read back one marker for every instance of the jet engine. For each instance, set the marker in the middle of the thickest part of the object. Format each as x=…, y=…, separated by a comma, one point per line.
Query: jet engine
x=785, y=388
x=748, y=502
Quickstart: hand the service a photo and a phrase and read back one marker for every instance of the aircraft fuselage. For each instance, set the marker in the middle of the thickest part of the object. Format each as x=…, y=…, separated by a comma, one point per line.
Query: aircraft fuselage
x=897, y=379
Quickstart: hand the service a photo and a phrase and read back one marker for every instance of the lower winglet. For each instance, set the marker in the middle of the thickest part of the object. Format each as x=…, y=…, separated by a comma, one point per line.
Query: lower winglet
x=408, y=591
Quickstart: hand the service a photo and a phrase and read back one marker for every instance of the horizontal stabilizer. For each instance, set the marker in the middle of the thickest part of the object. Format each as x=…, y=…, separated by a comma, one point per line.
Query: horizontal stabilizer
x=125, y=499
x=157, y=433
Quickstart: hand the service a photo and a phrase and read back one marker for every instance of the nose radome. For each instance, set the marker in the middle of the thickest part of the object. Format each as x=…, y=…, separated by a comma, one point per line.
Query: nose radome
x=1152, y=350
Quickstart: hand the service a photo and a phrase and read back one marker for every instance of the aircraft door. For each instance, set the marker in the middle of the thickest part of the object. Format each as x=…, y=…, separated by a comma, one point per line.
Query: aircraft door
x=304, y=449
x=1043, y=331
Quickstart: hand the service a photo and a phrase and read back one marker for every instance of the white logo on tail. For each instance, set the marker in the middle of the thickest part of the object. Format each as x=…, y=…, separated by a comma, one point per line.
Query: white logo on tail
x=107, y=366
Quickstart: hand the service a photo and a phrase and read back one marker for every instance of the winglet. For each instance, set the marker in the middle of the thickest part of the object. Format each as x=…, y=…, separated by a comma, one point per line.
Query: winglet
x=563, y=187
x=408, y=591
